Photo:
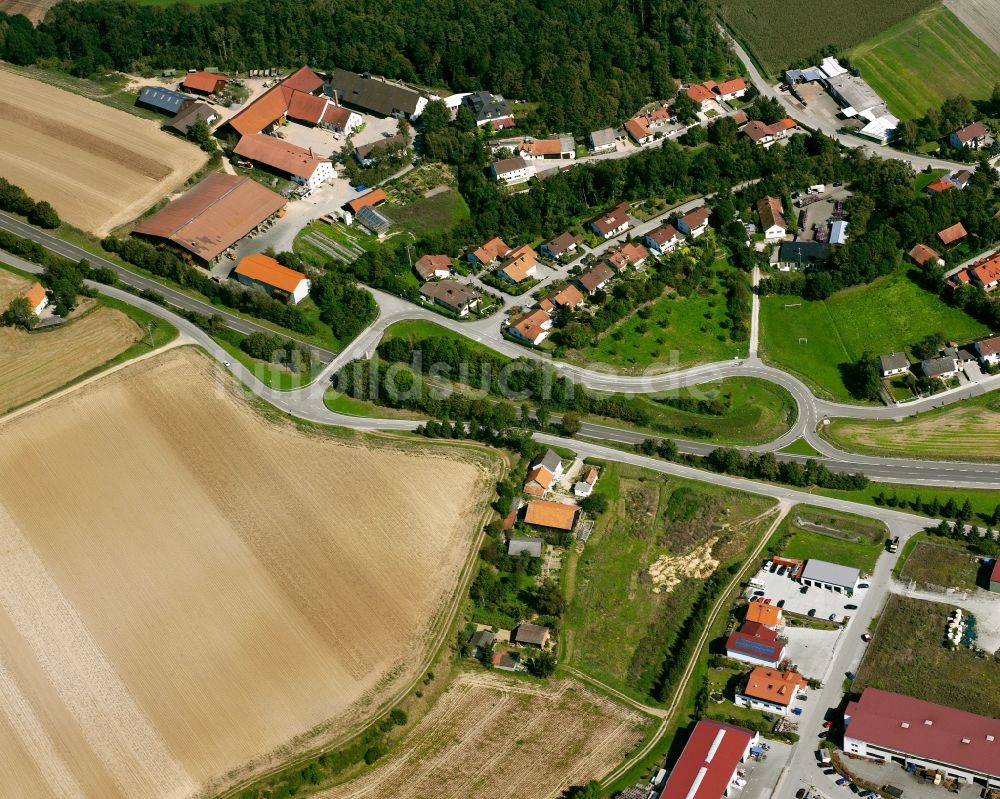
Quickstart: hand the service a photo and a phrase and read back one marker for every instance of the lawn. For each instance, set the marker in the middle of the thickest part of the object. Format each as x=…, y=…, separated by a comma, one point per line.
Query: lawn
x=271, y=375
x=778, y=33
x=924, y=179
x=680, y=332
x=434, y=214
x=818, y=339
x=907, y=655
x=968, y=431
x=940, y=565
x=755, y=412
x=835, y=537
x=925, y=59
x=624, y=616
x=983, y=501
x=801, y=447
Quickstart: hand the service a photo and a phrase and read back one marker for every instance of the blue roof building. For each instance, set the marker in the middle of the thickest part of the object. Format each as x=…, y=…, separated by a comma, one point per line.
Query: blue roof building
x=165, y=100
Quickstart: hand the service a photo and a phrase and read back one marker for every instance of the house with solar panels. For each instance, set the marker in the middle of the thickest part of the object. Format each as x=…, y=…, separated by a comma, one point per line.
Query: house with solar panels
x=754, y=643
x=166, y=101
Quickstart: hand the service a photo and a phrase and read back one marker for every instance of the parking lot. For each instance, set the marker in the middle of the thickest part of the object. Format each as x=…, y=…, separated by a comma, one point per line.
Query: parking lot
x=823, y=603
x=812, y=650
x=762, y=775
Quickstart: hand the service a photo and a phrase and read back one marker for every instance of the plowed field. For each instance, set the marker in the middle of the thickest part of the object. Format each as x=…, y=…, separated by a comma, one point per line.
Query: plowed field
x=186, y=587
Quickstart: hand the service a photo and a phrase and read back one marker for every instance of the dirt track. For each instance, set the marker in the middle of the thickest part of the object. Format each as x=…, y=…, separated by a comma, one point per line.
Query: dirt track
x=491, y=736
x=98, y=166
x=186, y=587
x=982, y=17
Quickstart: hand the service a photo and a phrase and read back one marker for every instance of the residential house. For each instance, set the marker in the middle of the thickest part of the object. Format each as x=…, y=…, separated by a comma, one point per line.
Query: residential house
x=612, y=223
x=555, y=148
x=731, y=89
x=367, y=153
x=765, y=614
x=167, y=101
x=584, y=487
x=531, y=635
x=755, y=643
x=369, y=199
x=772, y=218
x=770, y=691
x=507, y=661
x=988, y=350
x=766, y=135
x=694, y=223
x=941, y=367
x=890, y=727
x=551, y=461
x=482, y=642
x=431, y=267
x=285, y=158
x=375, y=96
x=37, y=298
x=563, y=244
x=971, y=136
x=895, y=363
x=986, y=272
x=663, y=240
x=952, y=233
x=567, y=297
x=521, y=265
x=511, y=170
x=617, y=260
x=701, y=95
x=204, y=82
x=636, y=254
x=595, y=278
x=276, y=279
x=489, y=253
x=710, y=764
x=838, y=232
x=533, y=546
x=540, y=480
x=604, y=140
x=922, y=255
x=533, y=328
x=489, y=109
x=450, y=294
x=961, y=178
x=939, y=185
x=550, y=515
x=639, y=131
x=830, y=576
x=801, y=254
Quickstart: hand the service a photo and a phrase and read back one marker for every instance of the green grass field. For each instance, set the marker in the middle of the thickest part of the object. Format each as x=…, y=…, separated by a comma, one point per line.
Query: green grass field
x=818, y=339
x=801, y=447
x=434, y=214
x=966, y=431
x=924, y=60
x=778, y=33
x=984, y=501
x=617, y=627
x=924, y=179
x=835, y=537
x=935, y=564
x=907, y=655
x=680, y=332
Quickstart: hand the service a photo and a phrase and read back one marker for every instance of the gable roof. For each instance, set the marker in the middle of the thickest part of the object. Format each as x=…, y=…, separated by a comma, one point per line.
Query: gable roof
x=203, y=81
x=663, y=235
x=603, y=137
x=924, y=729
x=34, y=294
x=987, y=270
x=637, y=128
x=531, y=634
x=449, y=291
x=265, y=269
x=952, y=233
x=265, y=110
x=921, y=253
x=892, y=361
x=563, y=242
x=213, y=215
x=373, y=94
x=595, y=276
x=764, y=613
x=306, y=107
x=777, y=687
x=278, y=154
x=542, y=476
x=556, y=515
x=164, y=99
x=755, y=640
x=427, y=265
x=612, y=220
x=491, y=250
x=699, y=93
x=696, y=218
x=989, y=346
x=303, y=80
x=708, y=761
x=976, y=130
x=520, y=264
x=531, y=326
x=634, y=252
x=519, y=544
x=381, y=144
x=770, y=212
x=374, y=197
x=938, y=185
x=549, y=459
x=569, y=296
x=731, y=85
x=507, y=165
x=195, y=112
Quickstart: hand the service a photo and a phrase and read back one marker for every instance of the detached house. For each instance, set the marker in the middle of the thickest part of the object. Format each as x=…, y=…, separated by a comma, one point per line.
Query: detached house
x=603, y=141
x=450, y=294
x=490, y=252
x=731, y=89
x=922, y=255
x=772, y=218
x=612, y=223
x=532, y=329
x=770, y=691
x=489, y=109
x=942, y=367
x=986, y=273
x=556, y=148
x=988, y=350
x=595, y=278
x=664, y=239
x=37, y=298
x=766, y=135
x=521, y=265
x=701, y=95
x=567, y=297
x=430, y=267
x=971, y=136
x=204, y=82
x=511, y=170
x=563, y=244
x=694, y=223
x=275, y=279
x=895, y=363
x=952, y=233
x=755, y=643
x=584, y=487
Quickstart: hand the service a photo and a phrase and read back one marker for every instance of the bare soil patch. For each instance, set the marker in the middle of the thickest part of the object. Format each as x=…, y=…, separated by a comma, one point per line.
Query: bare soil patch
x=188, y=587
x=982, y=17
x=33, y=364
x=492, y=736
x=98, y=166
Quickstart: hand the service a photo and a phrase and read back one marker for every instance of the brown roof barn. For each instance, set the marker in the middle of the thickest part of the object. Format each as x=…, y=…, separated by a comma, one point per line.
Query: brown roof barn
x=557, y=515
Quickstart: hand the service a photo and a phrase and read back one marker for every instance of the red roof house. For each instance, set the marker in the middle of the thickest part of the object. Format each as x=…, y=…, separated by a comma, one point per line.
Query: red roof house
x=952, y=233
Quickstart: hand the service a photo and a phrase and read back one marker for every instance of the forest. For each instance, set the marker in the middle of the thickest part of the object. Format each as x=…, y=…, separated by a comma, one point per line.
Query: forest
x=585, y=64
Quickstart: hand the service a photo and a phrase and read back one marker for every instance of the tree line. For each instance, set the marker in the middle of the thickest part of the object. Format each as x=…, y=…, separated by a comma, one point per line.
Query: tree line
x=562, y=57
x=15, y=200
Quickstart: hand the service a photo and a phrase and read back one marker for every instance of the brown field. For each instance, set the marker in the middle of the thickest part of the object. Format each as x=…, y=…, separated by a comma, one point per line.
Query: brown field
x=33, y=364
x=98, y=166
x=982, y=17
x=34, y=10
x=491, y=736
x=187, y=587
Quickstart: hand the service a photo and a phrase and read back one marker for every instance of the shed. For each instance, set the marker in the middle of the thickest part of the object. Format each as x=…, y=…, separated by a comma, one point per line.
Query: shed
x=533, y=546
x=166, y=100
x=531, y=635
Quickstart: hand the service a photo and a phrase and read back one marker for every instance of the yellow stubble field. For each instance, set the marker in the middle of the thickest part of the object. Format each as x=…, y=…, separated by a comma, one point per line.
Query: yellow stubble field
x=187, y=587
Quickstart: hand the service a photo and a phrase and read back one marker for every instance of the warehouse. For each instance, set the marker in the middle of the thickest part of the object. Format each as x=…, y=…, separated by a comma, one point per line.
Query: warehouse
x=374, y=96
x=709, y=766
x=277, y=155
x=831, y=576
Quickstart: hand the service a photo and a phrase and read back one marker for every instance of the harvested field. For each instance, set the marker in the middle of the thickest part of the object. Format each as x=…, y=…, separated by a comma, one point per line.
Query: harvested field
x=34, y=10
x=982, y=17
x=33, y=364
x=489, y=735
x=187, y=587
x=99, y=167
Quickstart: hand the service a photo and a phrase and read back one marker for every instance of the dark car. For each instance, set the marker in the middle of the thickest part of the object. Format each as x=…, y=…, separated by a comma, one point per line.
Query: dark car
x=833, y=616
x=800, y=793
x=862, y=585
x=812, y=612
x=842, y=781
x=829, y=771
x=849, y=675
x=780, y=603
x=850, y=607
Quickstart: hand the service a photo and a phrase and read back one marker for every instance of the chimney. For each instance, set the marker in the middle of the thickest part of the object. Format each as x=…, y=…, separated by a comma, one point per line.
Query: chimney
x=310, y=152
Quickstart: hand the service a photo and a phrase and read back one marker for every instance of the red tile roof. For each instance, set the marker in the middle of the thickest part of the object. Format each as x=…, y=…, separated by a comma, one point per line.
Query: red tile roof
x=756, y=640
x=530, y=327
x=731, y=86
x=265, y=269
x=976, y=130
x=203, y=81
x=708, y=762
x=34, y=295
x=952, y=234
x=995, y=574
x=696, y=218
x=569, y=296
x=921, y=253
x=278, y=154
x=613, y=220
x=987, y=270
x=374, y=197
x=303, y=80
x=556, y=515
x=939, y=185
x=306, y=107
x=923, y=729
x=770, y=212
x=265, y=110
x=492, y=250
x=699, y=93
x=778, y=687
x=990, y=346
x=664, y=234
x=637, y=129
x=336, y=115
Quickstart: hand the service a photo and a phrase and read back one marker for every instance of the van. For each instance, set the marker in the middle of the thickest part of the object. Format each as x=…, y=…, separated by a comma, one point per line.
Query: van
x=756, y=582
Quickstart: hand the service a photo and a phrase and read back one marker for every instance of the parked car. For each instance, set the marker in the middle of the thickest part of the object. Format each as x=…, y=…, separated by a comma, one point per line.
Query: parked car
x=780, y=603
x=812, y=612
x=862, y=585
x=797, y=711
x=866, y=637
x=833, y=616
x=849, y=675
x=803, y=697
x=804, y=589
x=758, y=593
x=850, y=607
x=800, y=793
x=767, y=600
x=843, y=781
x=829, y=771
